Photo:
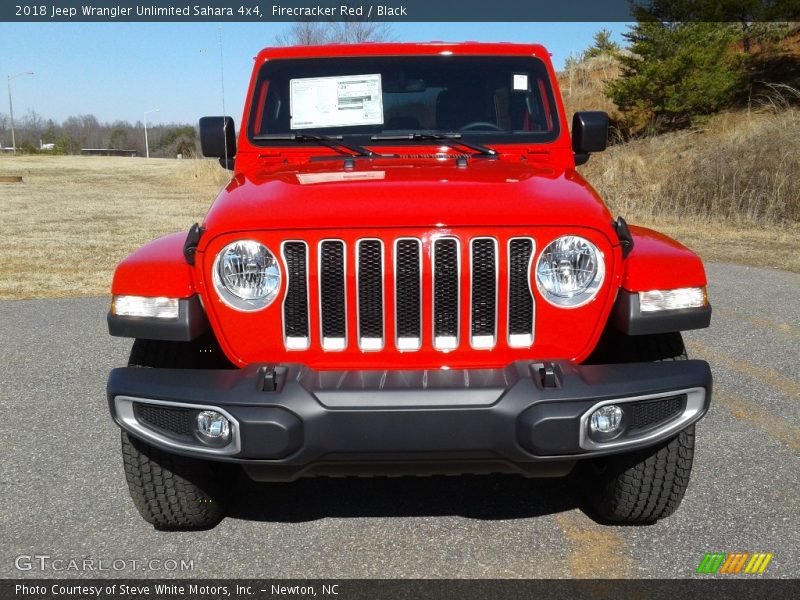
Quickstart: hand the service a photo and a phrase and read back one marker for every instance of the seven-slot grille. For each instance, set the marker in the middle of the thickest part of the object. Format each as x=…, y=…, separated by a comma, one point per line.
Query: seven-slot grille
x=404, y=267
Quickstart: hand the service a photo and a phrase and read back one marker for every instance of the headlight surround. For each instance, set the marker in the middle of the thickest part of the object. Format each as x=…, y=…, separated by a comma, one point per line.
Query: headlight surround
x=246, y=275
x=569, y=271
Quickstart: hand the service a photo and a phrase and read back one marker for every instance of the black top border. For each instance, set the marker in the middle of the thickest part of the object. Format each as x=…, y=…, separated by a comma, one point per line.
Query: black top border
x=265, y=11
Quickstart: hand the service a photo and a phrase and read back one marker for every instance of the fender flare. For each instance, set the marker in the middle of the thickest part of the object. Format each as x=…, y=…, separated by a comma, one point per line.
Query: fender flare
x=159, y=268
x=657, y=262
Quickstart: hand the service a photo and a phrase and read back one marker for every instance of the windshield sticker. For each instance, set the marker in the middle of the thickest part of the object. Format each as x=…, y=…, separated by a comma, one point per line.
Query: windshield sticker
x=521, y=82
x=311, y=178
x=347, y=100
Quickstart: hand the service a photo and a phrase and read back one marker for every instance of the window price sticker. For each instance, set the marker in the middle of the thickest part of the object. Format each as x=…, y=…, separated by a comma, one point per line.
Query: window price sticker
x=341, y=101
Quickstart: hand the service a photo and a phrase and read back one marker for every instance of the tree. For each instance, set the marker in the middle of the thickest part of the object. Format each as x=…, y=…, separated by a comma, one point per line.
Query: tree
x=314, y=33
x=51, y=132
x=118, y=139
x=677, y=71
x=603, y=44
x=310, y=33
x=355, y=32
x=66, y=145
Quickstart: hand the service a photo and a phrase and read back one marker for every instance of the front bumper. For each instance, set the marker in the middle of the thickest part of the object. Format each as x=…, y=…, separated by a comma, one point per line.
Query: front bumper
x=532, y=418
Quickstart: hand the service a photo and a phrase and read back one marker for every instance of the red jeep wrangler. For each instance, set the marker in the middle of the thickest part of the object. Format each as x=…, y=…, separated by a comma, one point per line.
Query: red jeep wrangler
x=407, y=275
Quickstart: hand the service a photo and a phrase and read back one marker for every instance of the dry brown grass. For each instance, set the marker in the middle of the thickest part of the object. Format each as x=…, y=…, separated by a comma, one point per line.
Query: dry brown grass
x=74, y=218
x=582, y=84
x=741, y=168
x=730, y=190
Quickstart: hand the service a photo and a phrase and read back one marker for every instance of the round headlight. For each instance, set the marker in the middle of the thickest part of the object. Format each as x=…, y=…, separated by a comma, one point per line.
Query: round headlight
x=246, y=275
x=569, y=271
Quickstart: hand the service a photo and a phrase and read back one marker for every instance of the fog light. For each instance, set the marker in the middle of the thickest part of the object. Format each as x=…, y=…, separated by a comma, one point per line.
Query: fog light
x=606, y=419
x=213, y=428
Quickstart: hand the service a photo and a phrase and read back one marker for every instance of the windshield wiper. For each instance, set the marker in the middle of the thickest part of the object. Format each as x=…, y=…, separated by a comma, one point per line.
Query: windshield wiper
x=331, y=142
x=450, y=139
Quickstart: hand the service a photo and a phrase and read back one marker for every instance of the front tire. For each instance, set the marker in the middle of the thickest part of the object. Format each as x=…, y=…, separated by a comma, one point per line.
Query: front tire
x=171, y=491
x=642, y=486
x=646, y=485
x=175, y=492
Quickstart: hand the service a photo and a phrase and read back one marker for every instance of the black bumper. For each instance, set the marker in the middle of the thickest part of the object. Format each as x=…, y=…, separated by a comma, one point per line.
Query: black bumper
x=302, y=422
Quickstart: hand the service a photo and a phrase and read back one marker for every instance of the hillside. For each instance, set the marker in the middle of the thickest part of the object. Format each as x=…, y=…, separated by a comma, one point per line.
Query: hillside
x=727, y=187
x=729, y=190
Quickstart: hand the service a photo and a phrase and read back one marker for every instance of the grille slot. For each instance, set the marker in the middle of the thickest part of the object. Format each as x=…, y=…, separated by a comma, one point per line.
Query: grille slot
x=370, y=294
x=445, y=293
x=649, y=413
x=172, y=421
x=295, y=304
x=408, y=293
x=483, y=295
x=520, y=299
x=333, y=303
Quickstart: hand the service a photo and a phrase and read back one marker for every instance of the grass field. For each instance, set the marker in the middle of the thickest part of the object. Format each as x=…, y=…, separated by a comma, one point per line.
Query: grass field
x=72, y=219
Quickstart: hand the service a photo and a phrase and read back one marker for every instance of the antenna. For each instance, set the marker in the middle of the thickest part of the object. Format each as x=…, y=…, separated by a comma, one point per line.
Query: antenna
x=222, y=91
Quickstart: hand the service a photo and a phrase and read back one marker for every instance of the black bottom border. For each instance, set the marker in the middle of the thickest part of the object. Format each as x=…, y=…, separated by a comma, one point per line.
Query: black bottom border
x=391, y=589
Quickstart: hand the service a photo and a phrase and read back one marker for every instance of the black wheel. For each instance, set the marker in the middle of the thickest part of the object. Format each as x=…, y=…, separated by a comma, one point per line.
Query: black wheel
x=172, y=491
x=175, y=492
x=646, y=485
x=643, y=486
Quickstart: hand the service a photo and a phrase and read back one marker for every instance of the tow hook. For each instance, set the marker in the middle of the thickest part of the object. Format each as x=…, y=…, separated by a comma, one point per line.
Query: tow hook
x=547, y=375
x=268, y=379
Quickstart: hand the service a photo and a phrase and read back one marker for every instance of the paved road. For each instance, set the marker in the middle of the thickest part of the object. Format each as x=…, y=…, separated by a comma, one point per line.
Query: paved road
x=62, y=492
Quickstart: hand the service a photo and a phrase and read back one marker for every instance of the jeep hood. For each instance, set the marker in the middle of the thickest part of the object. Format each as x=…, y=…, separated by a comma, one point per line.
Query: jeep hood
x=395, y=193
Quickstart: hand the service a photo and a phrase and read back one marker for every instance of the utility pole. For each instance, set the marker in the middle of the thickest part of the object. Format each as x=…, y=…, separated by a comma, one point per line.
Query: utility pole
x=11, y=109
x=146, y=145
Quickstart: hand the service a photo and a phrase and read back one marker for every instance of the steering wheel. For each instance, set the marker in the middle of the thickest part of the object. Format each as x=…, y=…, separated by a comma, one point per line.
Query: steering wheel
x=480, y=125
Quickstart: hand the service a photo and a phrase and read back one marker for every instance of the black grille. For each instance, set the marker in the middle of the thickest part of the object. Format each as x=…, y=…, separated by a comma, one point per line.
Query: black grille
x=177, y=421
x=484, y=286
x=370, y=289
x=332, y=294
x=648, y=413
x=411, y=265
x=445, y=288
x=407, y=288
x=295, y=306
x=520, y=301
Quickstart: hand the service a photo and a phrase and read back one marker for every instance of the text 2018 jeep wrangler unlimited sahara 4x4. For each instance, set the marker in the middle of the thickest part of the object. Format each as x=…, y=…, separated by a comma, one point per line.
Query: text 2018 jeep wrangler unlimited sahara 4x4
x=406, y=275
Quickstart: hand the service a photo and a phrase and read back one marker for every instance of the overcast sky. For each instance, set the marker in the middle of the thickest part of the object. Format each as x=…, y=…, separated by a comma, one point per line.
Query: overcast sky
x=116, y=71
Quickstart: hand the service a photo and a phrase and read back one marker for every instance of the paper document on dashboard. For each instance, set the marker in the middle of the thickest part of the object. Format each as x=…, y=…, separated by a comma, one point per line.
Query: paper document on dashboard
x=341, y=101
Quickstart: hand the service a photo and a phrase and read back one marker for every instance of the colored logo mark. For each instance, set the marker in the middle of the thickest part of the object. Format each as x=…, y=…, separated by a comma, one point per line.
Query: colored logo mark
x=734, y=563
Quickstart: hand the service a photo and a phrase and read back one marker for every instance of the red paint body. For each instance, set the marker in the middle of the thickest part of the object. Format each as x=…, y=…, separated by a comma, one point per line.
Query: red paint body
x=531, y=190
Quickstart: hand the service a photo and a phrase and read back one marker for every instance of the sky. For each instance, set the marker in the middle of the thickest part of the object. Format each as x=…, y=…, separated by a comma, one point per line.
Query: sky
x=117, y=71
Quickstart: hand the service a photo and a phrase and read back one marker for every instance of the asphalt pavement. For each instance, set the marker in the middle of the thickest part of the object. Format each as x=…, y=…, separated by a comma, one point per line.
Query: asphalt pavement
x=63, y=494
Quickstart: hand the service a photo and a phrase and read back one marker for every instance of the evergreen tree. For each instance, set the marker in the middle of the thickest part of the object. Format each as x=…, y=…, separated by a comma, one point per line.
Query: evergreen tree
x=603, y=44
x=677, y=71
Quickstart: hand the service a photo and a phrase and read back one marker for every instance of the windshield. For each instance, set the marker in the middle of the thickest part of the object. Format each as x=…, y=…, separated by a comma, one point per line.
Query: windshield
x=489, y=99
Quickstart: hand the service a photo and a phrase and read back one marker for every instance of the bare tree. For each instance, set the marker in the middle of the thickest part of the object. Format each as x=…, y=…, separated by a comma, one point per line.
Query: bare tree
x=346, y=32
x=354, y=32
x=311, y=33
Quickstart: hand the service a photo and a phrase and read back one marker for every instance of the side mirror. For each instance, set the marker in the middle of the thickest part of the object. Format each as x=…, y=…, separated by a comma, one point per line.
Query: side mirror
x=218, y=139
x=589, y=134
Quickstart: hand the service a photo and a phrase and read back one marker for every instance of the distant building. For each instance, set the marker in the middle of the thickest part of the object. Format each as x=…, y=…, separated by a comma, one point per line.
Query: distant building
x=107, y=152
